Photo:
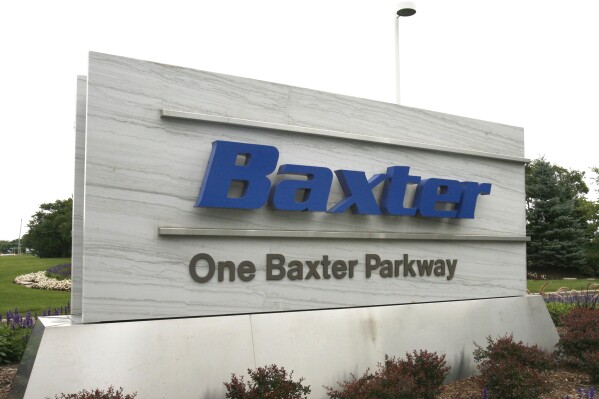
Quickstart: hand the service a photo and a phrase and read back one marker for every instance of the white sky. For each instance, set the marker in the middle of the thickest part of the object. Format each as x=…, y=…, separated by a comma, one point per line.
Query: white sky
x=529, y=63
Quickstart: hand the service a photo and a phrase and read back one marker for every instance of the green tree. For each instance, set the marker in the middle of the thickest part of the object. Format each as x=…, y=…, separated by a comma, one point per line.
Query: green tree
x=8, y=246
x=556, y=226
x=589, y=212
x=4, y=246
x=592, y=210
x=50, y=230
x=596, y=178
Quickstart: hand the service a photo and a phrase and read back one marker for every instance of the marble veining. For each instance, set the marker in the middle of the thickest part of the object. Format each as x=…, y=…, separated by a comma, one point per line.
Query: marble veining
x=78, y=200
x=143, y=172
x=167, y=113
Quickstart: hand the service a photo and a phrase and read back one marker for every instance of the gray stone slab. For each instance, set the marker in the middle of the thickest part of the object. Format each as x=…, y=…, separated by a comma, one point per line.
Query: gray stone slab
x=78, y=200
x=192, y=357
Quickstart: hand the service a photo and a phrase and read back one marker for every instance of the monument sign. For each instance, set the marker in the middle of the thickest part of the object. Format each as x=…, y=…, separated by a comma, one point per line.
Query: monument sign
x=318, y=231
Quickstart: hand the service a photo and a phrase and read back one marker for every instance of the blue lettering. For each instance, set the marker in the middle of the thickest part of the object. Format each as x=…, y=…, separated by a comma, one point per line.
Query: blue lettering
x=470, y=192
x=257, y=162
x=394, y=192
x=433, y=191
x=247, y=167
x=358, y=192
x=314, y=191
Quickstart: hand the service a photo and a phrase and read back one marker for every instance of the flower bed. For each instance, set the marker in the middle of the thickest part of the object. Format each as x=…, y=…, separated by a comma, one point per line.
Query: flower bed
x=40, y=281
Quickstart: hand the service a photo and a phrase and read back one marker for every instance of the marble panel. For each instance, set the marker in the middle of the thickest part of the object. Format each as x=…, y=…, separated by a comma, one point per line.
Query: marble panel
x=143, y=172
x=143, y=283
x=78, y=199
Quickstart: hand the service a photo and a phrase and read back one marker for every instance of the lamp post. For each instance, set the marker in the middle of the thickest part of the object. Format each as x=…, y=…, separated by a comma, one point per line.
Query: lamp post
x=404, y=9
x=19, y=245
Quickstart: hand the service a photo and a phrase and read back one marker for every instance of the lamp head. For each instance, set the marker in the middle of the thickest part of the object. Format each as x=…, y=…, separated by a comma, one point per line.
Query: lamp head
x=406, y=9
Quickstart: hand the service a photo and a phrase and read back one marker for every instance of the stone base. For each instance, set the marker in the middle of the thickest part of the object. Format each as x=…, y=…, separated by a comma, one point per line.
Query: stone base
x=192, y=357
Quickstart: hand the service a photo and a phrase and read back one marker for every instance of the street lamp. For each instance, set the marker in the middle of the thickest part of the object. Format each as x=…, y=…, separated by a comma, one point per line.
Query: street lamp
x=19, y=246
x=404, y=9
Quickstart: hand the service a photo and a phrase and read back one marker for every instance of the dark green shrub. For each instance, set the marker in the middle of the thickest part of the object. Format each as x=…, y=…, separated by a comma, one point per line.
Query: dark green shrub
x=511, y=370
x=269, y=382
x=419, y=376
x=97, y=394
x=12, y=343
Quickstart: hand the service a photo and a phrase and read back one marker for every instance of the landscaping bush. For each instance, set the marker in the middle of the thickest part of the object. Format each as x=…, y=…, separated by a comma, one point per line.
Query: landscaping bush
x=591, y=364
x=59, y=272
x=511, y=380
x=15, y=330
x=269, y=382
x=581, y=335
x=14, y=334
x=557, y=311
x=419, y=376
x=511, y=370
x=12, y=343
x=579, y=343
x=365, y=387
x=97, y=394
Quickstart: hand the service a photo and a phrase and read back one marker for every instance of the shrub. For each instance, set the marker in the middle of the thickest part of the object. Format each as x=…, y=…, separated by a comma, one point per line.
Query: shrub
x=428, y=370
x=98, y=394
x=266, y=382
x=505, y=349
x=14, y=334
x=12, y=343
x=581, y=334
x=511, y=380
x=59, y=272
x=510, y=370
x=15, y=331
x=557, y=311
x=419, y=376
x=365, y=387
x=591, y=364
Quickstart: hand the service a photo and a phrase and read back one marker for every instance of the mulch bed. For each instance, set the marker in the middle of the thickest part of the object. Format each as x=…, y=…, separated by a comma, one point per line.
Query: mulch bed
x=561, y=383
x=7, y=374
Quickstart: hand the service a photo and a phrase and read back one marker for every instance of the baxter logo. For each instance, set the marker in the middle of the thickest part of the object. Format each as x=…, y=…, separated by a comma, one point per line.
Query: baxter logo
x=250, y=164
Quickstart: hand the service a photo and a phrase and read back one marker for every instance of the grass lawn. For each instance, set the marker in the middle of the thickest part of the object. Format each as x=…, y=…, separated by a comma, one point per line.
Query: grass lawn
x=17, y=296
x=553, y=285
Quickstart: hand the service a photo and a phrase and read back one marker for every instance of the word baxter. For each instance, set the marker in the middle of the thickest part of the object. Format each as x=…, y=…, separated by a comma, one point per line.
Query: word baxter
x=251, y=164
